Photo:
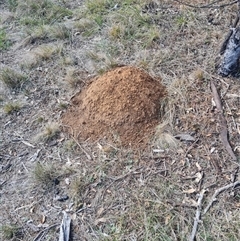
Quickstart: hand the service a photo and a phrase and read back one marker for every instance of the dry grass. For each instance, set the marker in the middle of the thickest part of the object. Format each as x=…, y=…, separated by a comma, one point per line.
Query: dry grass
x=12, y=79
x=9, y=232
x=44, y=175
x=119, y=194
x=10, y=108
x=49, y=132
x=46, y=51
x=72, y=76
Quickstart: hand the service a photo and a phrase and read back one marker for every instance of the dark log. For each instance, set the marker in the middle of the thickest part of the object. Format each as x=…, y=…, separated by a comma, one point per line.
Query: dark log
x=230, y=62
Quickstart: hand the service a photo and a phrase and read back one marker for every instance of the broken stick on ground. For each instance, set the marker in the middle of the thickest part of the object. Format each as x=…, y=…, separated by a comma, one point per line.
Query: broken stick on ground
x=198, y=215
x=217, y=192
x=223, y=122
x=65, y=228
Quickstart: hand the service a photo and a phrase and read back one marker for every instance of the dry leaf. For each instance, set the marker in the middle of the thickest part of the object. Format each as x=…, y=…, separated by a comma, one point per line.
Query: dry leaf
x=167, y=219
x=68, y=163
x=28, y=144
x=198, y=166
x=100, y=211
x=67, y=181
x=100, y=220
x=43, y=219
x=32, y=209
x=183, y=162
x=158, y=150
x=190, y=191
x=184, y=137
x=99, y=146
x=237, y=205
x=74, y=216
x=189, y=201
x=212, y=150
x=199, y=177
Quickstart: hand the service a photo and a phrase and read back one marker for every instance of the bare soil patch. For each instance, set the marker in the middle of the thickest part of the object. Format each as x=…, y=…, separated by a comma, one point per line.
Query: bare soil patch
x=124, y=102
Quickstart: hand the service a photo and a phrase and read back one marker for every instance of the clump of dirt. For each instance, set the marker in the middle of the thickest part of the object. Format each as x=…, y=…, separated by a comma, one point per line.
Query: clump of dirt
x=123, y=103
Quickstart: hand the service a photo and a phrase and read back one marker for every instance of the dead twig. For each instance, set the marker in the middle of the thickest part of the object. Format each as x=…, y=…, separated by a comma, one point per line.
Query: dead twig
x=85, y=152
x=198, y=215
x=223, y=122
x=44, y=231
x=217, y=192
x=65, y=228
x=210, y=5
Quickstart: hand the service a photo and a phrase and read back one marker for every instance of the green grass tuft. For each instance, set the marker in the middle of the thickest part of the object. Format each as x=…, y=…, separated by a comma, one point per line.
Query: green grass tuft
x=4, y=42
x=33, y=13
x=9, y=231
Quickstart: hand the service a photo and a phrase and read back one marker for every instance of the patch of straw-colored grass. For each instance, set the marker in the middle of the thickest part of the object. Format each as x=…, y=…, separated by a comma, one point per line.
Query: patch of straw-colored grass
x=46, y=51
x=44, y=174
x=11, y=78
x=59, y=31
x=72, y=77
x=49, y=132
x=10, y=108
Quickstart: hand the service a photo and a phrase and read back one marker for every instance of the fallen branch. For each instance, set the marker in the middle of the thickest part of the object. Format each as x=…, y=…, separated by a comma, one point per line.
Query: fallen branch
x=65, y=228
x=198, y=215
x=223, y=122
x=210, y=5
x=217, y=192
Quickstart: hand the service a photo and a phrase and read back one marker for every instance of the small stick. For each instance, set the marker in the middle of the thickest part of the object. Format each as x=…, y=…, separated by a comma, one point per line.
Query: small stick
x=85, y=152
x=198, y=215
x=223, y=122
x=40, y=234
x=65, y=228
x=217, y=192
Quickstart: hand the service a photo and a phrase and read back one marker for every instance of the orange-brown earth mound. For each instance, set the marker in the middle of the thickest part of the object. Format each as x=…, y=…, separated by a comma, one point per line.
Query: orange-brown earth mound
x=122, y=103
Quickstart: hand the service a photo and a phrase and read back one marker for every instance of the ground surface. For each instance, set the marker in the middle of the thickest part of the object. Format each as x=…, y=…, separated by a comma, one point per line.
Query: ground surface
x=54, y=52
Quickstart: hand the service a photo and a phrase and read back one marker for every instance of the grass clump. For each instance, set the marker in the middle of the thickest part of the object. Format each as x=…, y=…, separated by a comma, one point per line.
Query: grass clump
x=59, y=31
x=11, y=108
x=46, y=51
x=9, y=231
x=72, y=76
x=12, y=5
x=33, y=13
x=86, y=27
x=44, y=175
x=50, y=132
x=70, y=146
x=99, y=6
x=12, y=79
x=4, y=42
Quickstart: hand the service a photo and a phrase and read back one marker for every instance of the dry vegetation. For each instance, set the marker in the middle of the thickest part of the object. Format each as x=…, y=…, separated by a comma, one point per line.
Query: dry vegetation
x=48, y=51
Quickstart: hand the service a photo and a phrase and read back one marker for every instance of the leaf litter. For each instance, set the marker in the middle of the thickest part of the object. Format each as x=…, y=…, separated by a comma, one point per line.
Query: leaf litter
x=137, y=189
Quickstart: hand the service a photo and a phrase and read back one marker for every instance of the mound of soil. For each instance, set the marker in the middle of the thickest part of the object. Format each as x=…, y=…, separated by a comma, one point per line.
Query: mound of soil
x=122, y=104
